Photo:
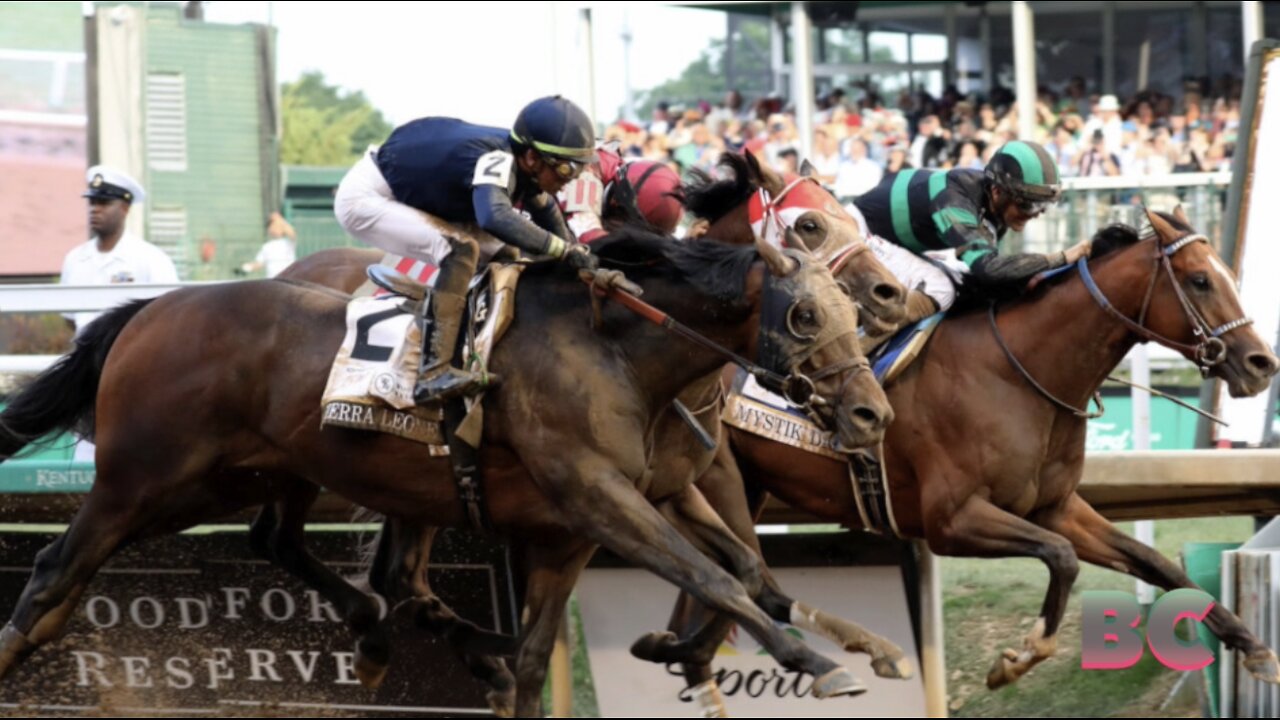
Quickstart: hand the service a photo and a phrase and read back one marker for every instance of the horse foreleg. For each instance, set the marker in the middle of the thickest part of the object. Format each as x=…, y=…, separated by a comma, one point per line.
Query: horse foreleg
x=278, y=533
x=552, y=572
x=1099, y=542
x=611, y=512
x=406, y=549
x=723, y=487
x=980, y=529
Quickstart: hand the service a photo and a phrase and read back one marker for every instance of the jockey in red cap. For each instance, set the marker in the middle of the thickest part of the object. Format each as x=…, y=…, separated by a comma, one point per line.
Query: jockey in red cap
x=655, y=187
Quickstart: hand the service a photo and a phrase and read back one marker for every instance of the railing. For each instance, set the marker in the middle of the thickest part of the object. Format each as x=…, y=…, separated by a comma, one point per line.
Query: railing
x=63, y=299
x=1089, y=204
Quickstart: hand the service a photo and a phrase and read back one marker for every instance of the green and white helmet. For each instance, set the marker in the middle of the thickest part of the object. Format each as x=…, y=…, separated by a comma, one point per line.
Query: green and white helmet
x=1025, y=171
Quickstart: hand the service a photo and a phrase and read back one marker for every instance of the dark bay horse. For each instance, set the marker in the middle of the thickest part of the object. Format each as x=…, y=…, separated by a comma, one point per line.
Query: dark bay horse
x=567, y=443
x=980, y=464
x=813, y=220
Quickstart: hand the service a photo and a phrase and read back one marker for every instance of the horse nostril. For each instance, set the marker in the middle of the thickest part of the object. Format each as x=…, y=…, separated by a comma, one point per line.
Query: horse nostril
x=863, y=415
x=1262, y=364
x=888, y=292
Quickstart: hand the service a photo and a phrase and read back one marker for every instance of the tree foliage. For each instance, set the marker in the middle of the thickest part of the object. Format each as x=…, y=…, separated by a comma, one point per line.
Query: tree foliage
x=324, y=125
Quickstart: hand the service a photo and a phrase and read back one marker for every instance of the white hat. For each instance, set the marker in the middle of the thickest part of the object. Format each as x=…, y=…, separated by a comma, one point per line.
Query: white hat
x=109, y=183
x=1108, y=102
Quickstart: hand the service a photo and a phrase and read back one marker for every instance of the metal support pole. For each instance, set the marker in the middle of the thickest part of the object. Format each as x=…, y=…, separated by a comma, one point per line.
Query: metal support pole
x=1024, y=67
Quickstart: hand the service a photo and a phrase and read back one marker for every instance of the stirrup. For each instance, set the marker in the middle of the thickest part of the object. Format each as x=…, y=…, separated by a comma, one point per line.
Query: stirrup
x=446, y=384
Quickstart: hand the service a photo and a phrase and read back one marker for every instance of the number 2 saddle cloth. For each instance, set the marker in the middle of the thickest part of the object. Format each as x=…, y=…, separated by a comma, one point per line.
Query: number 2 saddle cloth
x=371, y=383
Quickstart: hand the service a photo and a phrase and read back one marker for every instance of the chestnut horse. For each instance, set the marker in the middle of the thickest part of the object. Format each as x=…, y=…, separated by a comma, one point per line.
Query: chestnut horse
x=985, y=456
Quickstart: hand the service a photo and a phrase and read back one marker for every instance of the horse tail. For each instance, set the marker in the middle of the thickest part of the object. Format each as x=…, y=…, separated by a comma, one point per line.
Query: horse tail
x=62, y=398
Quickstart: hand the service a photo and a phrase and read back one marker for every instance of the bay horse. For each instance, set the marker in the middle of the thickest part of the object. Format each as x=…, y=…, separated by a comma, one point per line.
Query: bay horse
x=985, y=456
x=813, y=220
x=567, y=443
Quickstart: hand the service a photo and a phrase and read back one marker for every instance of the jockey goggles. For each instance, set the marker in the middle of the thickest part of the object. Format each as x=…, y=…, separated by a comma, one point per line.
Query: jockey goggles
x=1027, y=206
x=565, y=168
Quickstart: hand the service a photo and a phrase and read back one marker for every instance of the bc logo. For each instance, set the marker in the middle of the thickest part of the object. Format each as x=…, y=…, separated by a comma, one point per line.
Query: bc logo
x=1110, y=639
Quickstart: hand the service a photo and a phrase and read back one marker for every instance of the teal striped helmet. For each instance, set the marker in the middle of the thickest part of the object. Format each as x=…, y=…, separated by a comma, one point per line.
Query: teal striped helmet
x=1026, y=171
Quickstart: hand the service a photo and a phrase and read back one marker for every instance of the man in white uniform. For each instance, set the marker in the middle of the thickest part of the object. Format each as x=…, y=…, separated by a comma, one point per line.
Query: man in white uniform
x=113, y=255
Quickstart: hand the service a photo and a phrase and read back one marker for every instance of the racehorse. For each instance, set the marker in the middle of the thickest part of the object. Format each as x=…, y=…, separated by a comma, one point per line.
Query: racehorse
x=814, y=221
x=987, y=449
x=567, y=444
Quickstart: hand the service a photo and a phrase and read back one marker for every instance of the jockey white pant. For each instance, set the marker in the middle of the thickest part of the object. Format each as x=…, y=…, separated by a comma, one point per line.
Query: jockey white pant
x=366, y=208
x=913, y=271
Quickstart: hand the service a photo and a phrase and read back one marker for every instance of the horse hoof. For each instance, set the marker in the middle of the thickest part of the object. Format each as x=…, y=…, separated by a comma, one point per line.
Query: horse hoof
x=836, y=683
x=655, y=647
x=14, y=648
x=502, y=702
x=1263, y=666
x=370, y=669
x=1002, y=672
x=899, y=669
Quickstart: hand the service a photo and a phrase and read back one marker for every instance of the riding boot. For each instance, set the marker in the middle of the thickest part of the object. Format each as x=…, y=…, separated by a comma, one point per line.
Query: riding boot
x=442, y=316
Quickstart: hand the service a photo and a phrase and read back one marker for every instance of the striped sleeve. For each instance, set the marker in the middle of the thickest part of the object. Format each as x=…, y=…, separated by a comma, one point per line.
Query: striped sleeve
x=958, y=226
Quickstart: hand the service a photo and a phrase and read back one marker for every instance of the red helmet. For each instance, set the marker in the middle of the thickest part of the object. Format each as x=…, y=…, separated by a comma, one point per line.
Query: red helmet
x=659, y=196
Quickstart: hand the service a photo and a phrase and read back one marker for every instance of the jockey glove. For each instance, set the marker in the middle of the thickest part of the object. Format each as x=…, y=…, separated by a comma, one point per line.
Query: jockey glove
x=579, y=257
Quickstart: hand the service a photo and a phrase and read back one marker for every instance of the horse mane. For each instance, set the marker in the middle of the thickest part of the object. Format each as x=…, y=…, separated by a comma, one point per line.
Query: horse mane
x=1106, y=242
x=712, y=199
x=715, y=269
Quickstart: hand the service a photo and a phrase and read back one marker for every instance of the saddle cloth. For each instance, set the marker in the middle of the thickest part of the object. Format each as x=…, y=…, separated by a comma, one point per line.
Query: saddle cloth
x=371, y=382
x=753, y=409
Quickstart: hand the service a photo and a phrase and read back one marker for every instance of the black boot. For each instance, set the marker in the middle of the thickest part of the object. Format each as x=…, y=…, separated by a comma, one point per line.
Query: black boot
x=442, y=318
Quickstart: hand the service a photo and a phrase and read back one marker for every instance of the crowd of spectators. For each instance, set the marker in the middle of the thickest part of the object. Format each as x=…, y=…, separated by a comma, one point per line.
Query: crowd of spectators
x=859, y=137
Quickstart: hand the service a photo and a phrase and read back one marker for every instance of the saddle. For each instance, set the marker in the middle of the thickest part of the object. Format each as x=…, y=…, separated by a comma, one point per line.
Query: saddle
x=371, y=382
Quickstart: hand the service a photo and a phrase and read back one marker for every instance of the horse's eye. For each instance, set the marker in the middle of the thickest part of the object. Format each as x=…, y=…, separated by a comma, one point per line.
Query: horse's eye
x=1200, y=281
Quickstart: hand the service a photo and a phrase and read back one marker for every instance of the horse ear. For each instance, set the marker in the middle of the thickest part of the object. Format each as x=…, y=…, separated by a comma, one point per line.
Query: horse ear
x=763, y=175
x=779, y=264
x=1163, y=227
x=753, y=167
x=807, y=169
x=1181, y=214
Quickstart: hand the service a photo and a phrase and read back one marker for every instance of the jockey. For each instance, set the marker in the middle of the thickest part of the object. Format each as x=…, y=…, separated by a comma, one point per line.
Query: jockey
x=405, y=196
x=652, y=187
x=958, y=217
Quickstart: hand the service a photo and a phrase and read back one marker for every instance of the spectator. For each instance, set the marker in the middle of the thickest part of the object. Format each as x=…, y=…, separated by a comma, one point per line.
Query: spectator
x=897, y=160
x=858, y=173
x=1062, y=148
x=826, y=156
x=1097, y=161
x=113, y=255
x=932, y=145
x=278, y=252
x=1107, y=120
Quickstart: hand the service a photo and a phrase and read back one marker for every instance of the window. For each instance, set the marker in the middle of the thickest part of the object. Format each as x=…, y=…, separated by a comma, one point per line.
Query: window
x=166, y=122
